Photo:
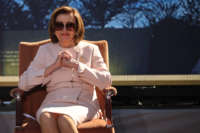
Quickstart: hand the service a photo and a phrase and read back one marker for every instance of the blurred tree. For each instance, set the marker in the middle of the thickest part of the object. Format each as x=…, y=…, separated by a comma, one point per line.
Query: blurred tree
x=156, y=10
x=40, y=10
x=128, y=17
x=97, y=13
x=12, y=15
x=191, y=11
x=27, y=14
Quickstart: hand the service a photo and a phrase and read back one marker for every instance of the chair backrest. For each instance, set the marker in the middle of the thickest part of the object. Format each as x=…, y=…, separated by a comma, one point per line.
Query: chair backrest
x=28, y=50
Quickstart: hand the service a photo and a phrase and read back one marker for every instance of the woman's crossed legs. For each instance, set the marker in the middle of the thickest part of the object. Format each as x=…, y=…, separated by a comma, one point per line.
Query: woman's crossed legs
x=57, y=123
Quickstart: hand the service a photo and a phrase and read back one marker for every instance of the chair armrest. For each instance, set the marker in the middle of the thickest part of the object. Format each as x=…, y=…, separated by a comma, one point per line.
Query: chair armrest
x=19, y=117
x=109, y=92
x=19, y=96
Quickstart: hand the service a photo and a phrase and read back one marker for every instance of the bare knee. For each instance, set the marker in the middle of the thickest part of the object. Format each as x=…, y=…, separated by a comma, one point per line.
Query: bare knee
x=46, y=118
x=66, y=123
x=64, y=119
x=48, y=123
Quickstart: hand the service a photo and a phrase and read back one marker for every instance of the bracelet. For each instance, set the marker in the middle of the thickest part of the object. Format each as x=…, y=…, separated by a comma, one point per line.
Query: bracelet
x=74, y=61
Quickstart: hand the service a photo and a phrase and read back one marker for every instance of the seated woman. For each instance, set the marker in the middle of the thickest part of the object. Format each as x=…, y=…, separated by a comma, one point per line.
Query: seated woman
x=70, y=68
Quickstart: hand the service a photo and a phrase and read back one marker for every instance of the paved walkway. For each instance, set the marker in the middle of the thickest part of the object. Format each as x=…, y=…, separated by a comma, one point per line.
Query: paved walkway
x=7, y=122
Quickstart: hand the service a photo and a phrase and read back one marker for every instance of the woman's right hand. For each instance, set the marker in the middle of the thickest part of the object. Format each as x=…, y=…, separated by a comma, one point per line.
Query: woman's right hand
x=56, y=65
x=58, y=62
x=15, y=91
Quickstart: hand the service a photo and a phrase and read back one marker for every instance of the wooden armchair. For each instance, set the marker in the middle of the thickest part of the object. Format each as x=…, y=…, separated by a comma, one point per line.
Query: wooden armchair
x=29, y=102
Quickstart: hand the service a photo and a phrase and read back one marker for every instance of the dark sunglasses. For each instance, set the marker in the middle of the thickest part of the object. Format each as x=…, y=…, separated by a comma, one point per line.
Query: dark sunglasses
x=68, y=26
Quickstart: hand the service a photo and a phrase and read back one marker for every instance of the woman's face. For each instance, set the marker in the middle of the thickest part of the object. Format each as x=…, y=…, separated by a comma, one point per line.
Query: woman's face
x=65, y=29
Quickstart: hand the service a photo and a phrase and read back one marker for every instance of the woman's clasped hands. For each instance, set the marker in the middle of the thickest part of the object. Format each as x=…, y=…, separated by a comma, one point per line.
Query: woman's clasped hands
x=65, y=59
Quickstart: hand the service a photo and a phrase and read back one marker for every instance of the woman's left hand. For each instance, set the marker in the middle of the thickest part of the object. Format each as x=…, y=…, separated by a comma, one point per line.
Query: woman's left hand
x=68, y=61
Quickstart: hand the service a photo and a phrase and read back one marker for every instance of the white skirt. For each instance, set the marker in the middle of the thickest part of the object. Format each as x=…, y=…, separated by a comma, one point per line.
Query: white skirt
x=80, y=110
x=78, y=113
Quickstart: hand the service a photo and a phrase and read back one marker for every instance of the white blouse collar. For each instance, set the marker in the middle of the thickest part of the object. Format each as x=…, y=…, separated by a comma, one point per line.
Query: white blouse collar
x=75, y=48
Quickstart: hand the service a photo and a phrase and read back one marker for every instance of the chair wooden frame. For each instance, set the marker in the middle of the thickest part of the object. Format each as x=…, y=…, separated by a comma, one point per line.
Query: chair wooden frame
x=25, y=103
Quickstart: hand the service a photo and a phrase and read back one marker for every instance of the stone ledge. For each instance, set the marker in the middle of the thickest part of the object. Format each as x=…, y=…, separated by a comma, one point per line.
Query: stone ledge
x=129, y=80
